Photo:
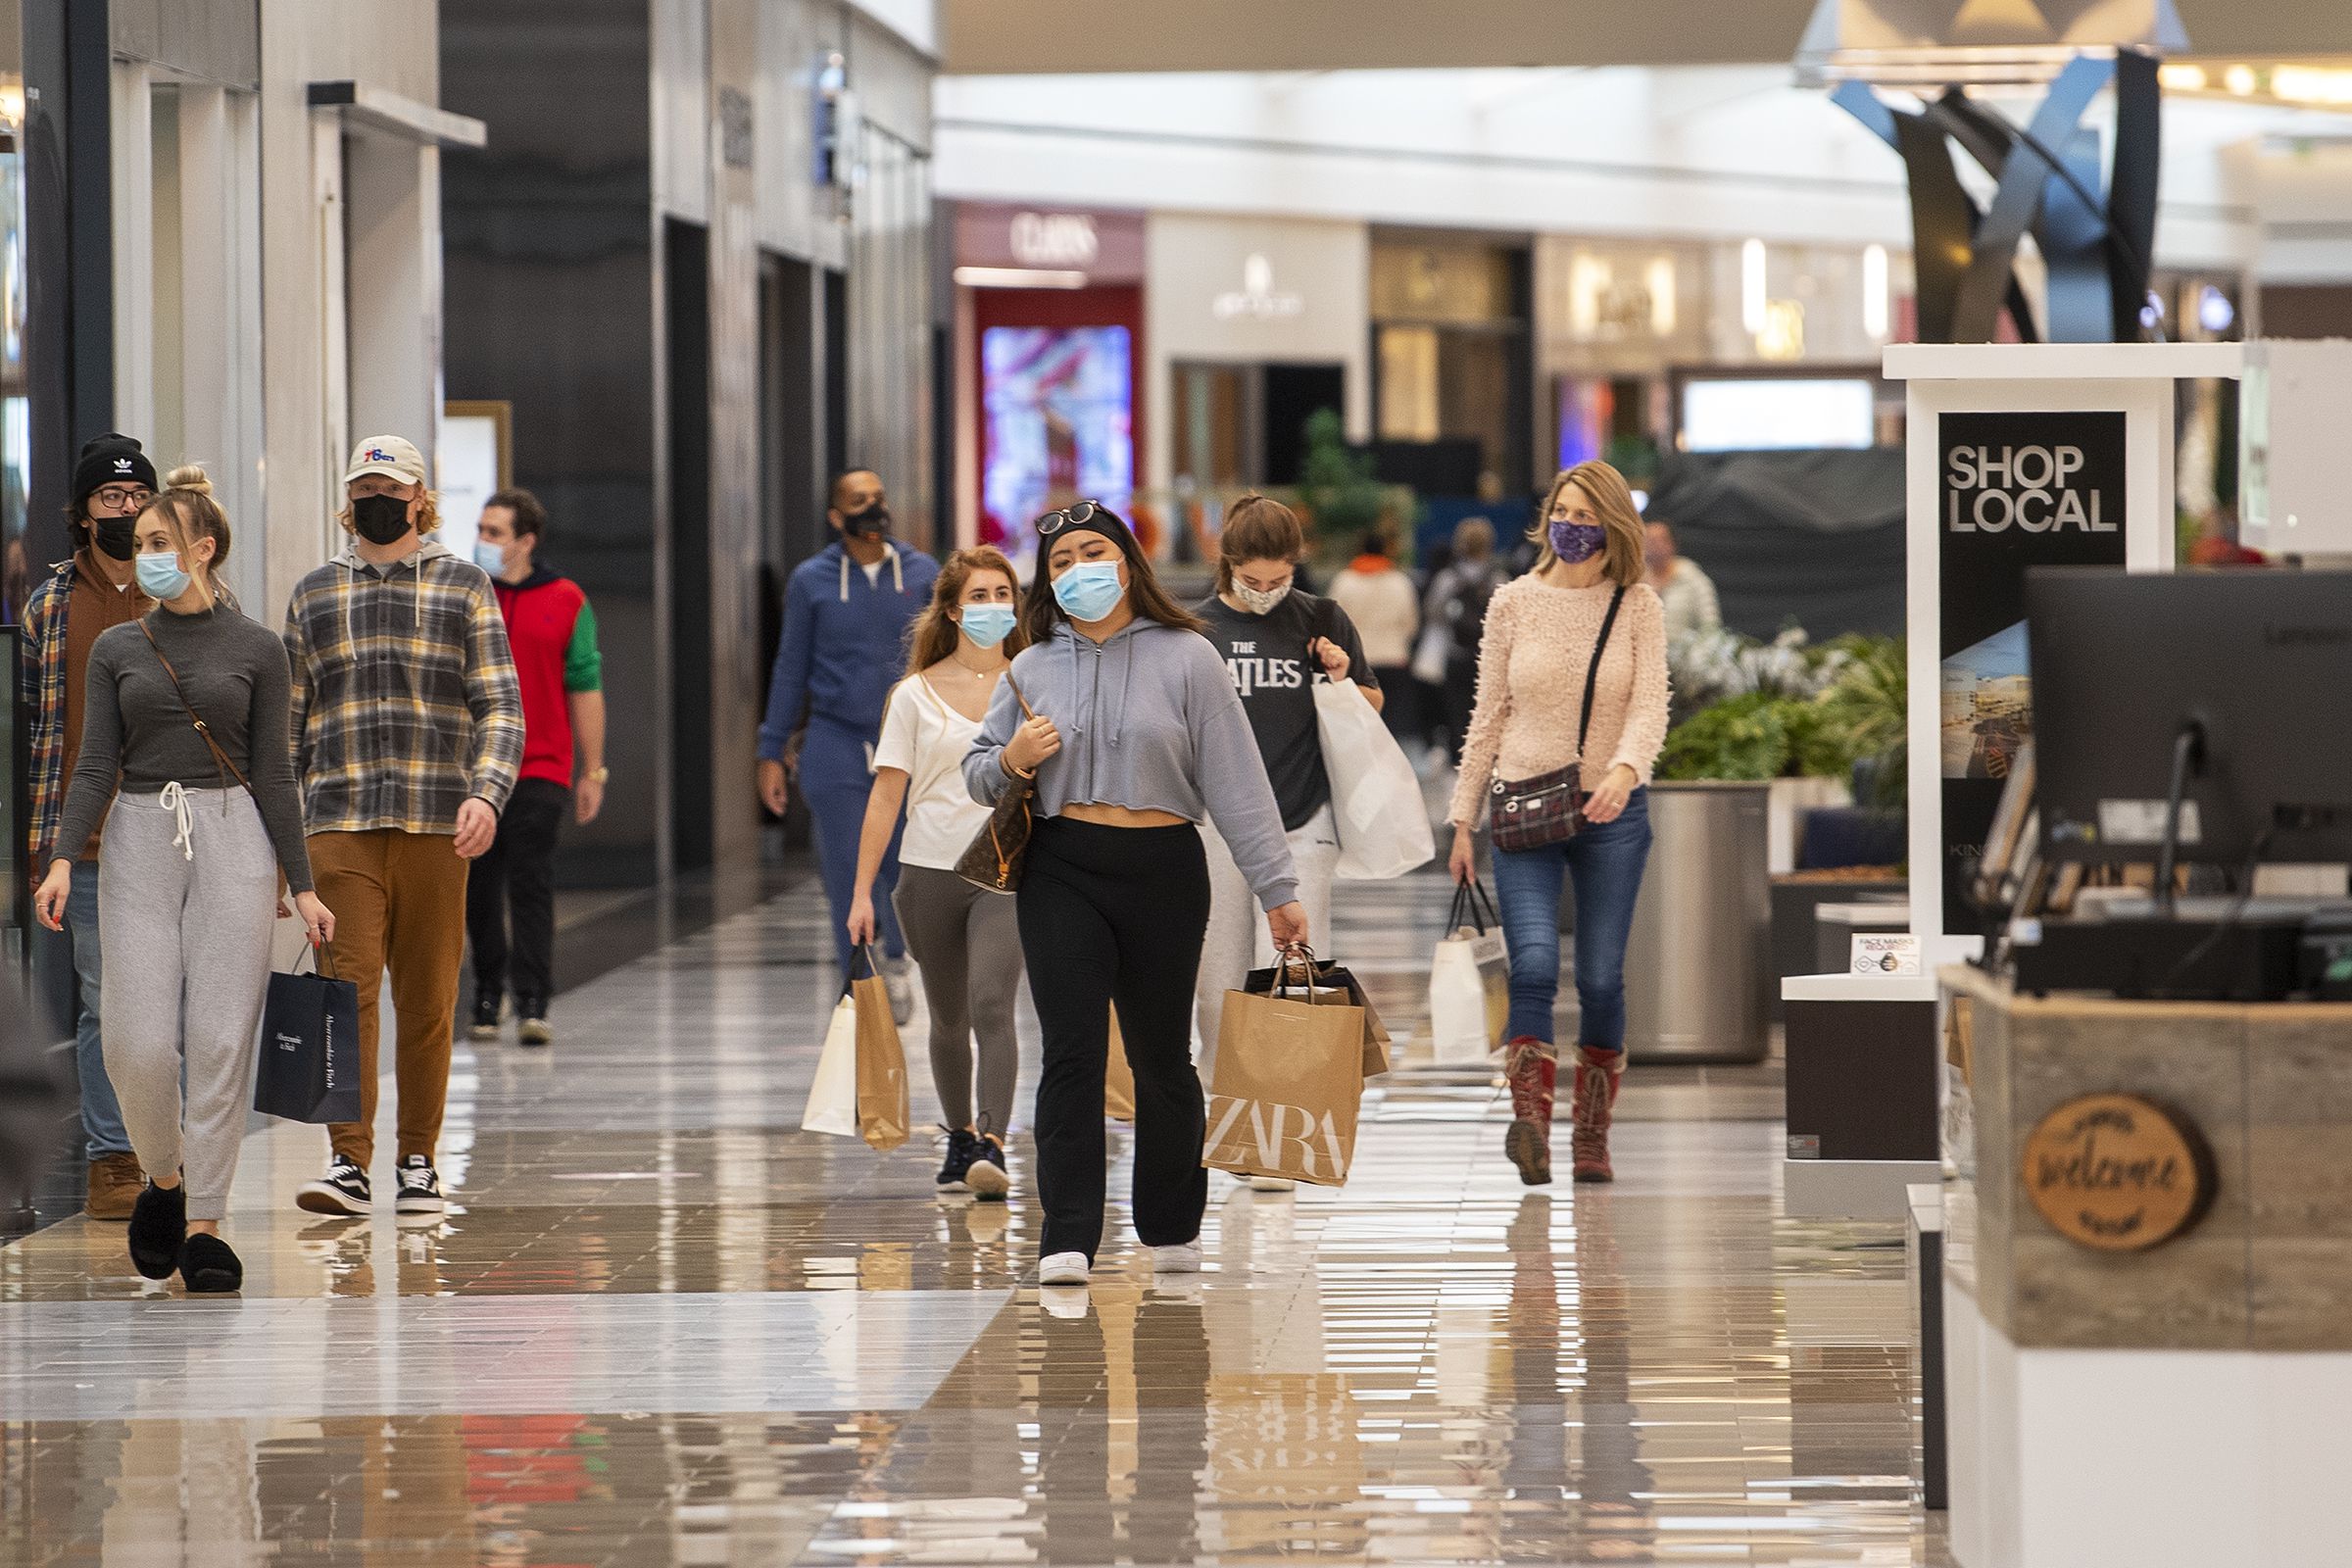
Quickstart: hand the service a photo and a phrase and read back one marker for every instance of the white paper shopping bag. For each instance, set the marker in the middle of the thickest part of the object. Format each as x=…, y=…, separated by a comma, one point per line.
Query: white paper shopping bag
x=833, y=1098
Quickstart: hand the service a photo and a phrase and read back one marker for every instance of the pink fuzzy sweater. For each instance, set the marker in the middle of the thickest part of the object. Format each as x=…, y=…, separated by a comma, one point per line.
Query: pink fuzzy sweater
x=1531, y=686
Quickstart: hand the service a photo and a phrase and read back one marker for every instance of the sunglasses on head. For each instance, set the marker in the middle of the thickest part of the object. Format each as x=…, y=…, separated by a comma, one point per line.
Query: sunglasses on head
x=1053, y=522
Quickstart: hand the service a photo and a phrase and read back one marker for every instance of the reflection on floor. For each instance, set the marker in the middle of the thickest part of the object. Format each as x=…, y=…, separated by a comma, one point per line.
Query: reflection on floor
x=662, y=1326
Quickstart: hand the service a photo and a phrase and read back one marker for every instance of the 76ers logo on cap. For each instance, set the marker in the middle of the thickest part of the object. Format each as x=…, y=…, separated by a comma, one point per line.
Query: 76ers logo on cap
x=372, y=455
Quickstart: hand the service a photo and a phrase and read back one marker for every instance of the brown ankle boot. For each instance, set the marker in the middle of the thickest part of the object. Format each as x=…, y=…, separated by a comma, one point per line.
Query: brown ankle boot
x=1532, y=1067
x=1591, y=1099
x=116, y=1182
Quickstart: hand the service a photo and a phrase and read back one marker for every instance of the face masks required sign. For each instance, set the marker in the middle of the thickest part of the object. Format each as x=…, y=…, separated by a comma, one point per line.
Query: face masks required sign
x=2014, y=490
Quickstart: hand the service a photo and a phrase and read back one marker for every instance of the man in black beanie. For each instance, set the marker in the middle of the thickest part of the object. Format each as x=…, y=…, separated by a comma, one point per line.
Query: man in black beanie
x=97, y=588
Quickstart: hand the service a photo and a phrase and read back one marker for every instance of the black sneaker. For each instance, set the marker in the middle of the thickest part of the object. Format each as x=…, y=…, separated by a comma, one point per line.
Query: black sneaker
x=159, y=1227
x=987, y=1175
x=489, y=1010
x=343, y=1190
x=420, y=1188
x=534, y=1029
x=962, y=1149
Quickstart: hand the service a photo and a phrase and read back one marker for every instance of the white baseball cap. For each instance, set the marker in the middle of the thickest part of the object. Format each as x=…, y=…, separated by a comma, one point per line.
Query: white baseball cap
x=387, y=455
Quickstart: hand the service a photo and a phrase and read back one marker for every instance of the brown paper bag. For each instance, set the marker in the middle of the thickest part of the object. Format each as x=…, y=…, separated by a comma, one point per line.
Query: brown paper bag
x=1289, y=1077
x=1332, y=981
x=1118, y=1078
x=883, y=1117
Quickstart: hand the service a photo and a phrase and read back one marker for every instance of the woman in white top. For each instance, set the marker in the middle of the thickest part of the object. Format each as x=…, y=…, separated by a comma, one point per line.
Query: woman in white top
x=966, y=940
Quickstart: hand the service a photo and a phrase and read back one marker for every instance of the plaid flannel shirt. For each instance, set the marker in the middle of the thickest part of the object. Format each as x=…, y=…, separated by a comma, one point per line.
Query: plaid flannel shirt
x=405, y=700
x=41, y=690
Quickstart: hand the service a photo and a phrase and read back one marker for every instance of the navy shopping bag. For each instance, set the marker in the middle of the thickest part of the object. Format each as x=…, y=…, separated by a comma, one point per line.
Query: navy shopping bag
x=309, y=1068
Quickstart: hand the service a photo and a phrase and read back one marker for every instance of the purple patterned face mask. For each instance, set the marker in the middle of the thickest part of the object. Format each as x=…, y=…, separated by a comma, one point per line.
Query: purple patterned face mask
x=1575, y=542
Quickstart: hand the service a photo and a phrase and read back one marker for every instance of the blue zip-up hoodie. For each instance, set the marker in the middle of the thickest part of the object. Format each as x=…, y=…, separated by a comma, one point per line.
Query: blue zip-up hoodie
x=844, y=642
x=1149, y=719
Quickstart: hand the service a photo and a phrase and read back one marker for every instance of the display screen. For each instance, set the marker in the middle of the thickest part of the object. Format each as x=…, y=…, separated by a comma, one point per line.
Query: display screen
x=1779, y=414
x=1059, y=409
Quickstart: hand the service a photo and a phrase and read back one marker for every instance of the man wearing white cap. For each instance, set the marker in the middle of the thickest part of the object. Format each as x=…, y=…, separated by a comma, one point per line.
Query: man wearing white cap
x=407, y=733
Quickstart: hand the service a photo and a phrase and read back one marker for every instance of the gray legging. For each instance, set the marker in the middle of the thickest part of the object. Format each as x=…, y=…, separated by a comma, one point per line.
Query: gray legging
x=969, y=943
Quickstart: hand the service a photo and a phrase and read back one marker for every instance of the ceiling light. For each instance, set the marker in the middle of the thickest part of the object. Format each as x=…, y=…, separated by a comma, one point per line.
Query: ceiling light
x=2182, y=78
x=2239, y=79
x=2312, y=84
x=1018, y=277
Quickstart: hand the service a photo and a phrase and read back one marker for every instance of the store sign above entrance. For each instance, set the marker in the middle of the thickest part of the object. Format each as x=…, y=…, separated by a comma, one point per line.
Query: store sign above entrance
x=1107, y=247
x=1257, y=298
x=2117, y=1173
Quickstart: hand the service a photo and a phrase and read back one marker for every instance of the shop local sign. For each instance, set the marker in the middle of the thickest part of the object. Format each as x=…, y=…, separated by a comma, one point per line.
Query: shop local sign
x=2037, y=488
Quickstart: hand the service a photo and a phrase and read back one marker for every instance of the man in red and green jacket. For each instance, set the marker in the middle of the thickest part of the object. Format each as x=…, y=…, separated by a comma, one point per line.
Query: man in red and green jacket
x=552, y=633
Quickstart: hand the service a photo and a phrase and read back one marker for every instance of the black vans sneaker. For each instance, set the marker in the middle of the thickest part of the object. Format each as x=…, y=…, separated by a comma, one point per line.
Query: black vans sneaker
x=489, y=1010
x=987, y=1175
x=343, y=1190
x=420, y=1188
x=532, y=1027
x=962, y=1149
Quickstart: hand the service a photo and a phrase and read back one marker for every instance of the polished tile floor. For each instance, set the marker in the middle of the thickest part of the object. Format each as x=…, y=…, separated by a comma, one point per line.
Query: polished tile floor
x=660, y=1325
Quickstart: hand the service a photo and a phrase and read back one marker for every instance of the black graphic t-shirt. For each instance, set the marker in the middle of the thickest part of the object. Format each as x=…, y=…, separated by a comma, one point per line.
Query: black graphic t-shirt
x=1266, y=657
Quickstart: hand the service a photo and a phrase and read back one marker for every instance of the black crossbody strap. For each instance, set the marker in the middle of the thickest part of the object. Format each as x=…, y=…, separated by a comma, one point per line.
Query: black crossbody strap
x=1592, y=674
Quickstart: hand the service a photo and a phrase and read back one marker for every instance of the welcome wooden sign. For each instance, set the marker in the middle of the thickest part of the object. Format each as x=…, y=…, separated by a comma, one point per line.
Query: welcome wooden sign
x=2118, y=1173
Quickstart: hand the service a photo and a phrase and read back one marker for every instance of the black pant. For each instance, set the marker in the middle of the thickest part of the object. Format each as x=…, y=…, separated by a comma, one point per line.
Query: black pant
x=1112, y=915
x=520, y=873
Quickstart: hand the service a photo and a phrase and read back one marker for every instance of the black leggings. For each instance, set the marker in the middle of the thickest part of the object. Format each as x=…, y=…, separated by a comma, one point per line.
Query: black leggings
x=1116, y=914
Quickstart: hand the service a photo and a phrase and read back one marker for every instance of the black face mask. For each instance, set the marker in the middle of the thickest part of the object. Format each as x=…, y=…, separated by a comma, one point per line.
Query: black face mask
x=117, y=536
x=871, y=523
x=380, y=519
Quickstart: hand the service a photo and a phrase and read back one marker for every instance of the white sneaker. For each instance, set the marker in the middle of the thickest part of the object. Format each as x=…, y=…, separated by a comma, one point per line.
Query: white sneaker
x=1071, y=1269
x=1272, y=1184
x=1182, y=1258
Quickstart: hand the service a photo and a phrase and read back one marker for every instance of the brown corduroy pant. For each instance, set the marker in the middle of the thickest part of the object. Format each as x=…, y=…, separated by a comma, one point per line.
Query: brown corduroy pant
x=400, y=904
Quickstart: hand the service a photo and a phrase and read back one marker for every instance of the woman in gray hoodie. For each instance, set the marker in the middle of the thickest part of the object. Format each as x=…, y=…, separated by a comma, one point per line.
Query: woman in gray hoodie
x=1133, y=735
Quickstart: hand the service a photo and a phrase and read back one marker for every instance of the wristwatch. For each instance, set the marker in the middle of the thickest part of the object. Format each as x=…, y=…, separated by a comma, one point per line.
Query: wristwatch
x=600, y=776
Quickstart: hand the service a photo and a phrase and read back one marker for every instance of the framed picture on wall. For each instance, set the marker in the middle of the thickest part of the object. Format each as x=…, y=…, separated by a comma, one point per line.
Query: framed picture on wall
x=473, y=460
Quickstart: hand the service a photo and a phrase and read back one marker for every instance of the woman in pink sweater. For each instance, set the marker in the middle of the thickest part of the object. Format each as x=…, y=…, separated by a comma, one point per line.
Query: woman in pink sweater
x=1540, y=634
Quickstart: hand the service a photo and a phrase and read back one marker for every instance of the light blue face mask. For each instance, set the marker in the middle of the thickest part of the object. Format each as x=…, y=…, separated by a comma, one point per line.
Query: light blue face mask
x=1089, y=590
x=159, y=576
x=491, y=557
x=988, y=624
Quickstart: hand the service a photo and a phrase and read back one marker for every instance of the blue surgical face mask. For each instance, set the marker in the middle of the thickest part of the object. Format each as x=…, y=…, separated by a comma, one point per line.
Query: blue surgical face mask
x=1089, y=590
x=988, y=624
x=159, y=576
x=491, y=557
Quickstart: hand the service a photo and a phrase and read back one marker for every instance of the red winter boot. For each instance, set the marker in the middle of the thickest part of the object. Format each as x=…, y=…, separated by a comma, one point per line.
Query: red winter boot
x=1532, y=1066
x=1593, y=1097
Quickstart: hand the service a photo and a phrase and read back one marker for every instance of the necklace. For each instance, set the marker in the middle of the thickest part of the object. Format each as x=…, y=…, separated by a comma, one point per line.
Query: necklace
x=980, y=674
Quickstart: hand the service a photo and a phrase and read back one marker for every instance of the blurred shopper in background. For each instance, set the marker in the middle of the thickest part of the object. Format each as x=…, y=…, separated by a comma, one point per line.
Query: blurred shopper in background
x=1379, y=596
x=965, y=939
x=408, y=732
x=846, y=613
x=1542, y=632
x=1276, y=641
x=1133, y=735
x=1687, y=593
x=1454, y=619
x=184, y=758
x=95, y=589
x=551, y=632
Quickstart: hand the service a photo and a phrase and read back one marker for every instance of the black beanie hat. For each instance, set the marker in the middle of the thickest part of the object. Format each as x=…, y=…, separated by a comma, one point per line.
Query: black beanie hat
x=105, y=460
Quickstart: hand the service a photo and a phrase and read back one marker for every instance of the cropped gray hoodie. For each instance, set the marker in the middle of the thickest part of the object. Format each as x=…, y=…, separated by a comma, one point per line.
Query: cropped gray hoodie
x=1149, y=721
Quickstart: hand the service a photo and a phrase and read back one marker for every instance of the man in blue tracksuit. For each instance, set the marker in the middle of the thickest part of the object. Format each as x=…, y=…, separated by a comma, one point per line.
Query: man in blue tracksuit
x=846, y=618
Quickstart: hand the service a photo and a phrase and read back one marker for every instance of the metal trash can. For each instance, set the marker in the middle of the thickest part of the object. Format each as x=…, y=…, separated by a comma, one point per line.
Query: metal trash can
x=1698, y=981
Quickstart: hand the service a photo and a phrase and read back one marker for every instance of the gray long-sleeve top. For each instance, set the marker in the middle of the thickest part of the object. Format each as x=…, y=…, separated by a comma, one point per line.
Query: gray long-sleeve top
x=135, y=728
x=1149, y=721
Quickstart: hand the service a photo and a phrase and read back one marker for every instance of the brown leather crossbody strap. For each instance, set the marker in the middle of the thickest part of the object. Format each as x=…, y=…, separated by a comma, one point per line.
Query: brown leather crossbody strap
x=195, y=718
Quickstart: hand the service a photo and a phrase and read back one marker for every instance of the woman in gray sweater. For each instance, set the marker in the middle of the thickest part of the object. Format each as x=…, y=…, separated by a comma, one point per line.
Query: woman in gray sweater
x=185, y=733
x=1134, y=736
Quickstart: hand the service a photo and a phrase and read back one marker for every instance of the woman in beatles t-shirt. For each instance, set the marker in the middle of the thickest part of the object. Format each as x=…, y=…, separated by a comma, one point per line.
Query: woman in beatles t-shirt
x=1276, y=642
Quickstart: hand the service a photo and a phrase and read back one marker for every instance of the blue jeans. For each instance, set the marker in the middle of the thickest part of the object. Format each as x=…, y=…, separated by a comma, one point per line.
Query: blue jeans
x=67, y=966
x=836, y=779
x=1605, y=861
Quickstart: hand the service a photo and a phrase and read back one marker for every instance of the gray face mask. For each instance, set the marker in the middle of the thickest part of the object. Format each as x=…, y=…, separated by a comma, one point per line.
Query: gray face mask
x=1260, y=600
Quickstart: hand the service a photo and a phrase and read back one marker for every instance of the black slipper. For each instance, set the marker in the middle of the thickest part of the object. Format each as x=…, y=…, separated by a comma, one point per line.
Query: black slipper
x=210, y=1266
x=159, y=1224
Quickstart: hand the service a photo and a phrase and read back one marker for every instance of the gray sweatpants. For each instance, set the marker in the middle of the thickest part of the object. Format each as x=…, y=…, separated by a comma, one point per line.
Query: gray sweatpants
x=967, y=942
x=189, y=929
